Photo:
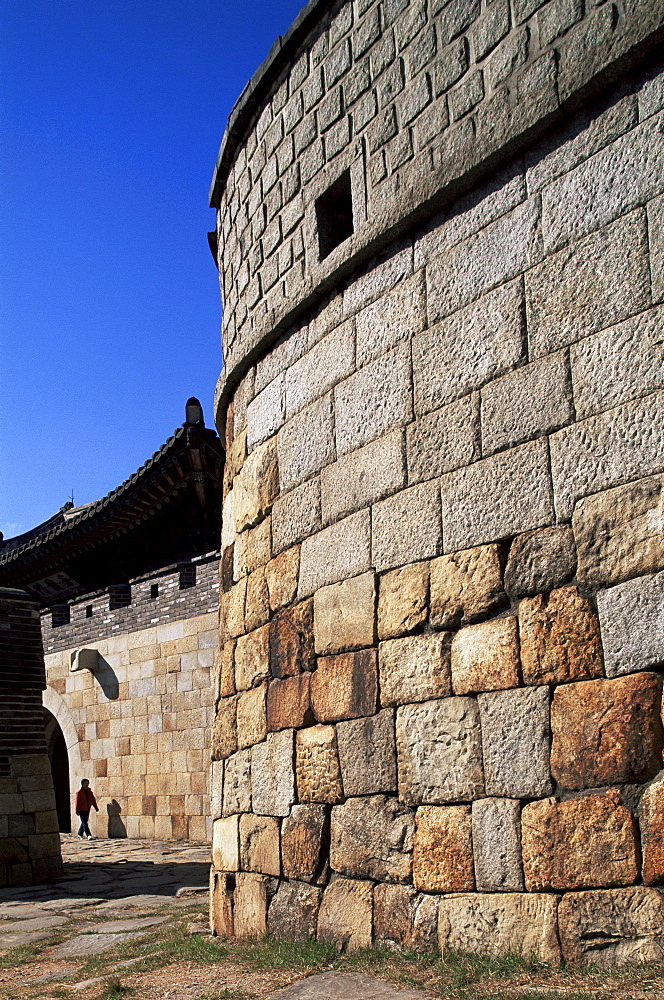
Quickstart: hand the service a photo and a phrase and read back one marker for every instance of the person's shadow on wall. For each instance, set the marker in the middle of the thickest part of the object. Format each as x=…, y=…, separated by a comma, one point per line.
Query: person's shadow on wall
x=116, y=827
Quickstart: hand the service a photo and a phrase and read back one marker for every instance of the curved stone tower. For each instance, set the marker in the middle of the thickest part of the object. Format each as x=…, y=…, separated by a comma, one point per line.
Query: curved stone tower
x=440, y=243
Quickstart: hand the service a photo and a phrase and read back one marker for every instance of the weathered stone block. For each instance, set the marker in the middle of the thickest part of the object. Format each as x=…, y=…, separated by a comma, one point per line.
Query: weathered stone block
x=619, y=533
x=345, y=686
x=265, y=412
x=574, y=292
x=252, y=658
x=302, y=840
x=631, y=617
x=367, y=754
x=499, y=924
x=497, y=845
x=559, y=638
x=256, y=487
x=465, y=586
x=237, y=783
x=539, y=561
x=225, y=844
x=612, y=926
x=607, y=450
x=336, y=553
x=372, y=837
x=403, y=600
x=224, y=729
x=345, y=615
x=281, y=575
x=293, y=912
x=404, y=918
x=317, y=765
x=221, y=903
x=288, y=705
x=439, y=751
x=328, y=362
x=497, y=497
x=485, y=657
x=257, y=603
x=252, y=548
x=259, y=844
x=296, y=515
x=216, y=788
x=406, y=527
x=414, y=668
x=224, y=669
x=306, y=443
x=292, y=641
x=444, y=440
x=544, y=393
x=362, y=477
x=393, y=317
x=656, y=240
x=443, y=849
x=252, y=716
x=273, y=775
x=606, y=732
x=515, y=742
x=231, y=618
x=373, y=400
x=345, y=915
x=250, y=906
x=578, y=844
x=651, y=820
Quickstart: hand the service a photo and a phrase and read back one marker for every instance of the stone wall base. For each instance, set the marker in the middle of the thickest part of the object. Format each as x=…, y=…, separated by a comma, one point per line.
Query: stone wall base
x=29, y=838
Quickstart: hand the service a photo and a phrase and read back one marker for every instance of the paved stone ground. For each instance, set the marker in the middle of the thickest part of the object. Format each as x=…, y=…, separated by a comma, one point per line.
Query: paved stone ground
x=345, y=986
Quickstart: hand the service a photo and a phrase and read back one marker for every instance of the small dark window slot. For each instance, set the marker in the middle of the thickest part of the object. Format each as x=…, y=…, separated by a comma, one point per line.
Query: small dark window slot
x=187, y=575
x=119, y=596
x=334, y=215
x=60, y=615
x=88, y=611
x=154, y=591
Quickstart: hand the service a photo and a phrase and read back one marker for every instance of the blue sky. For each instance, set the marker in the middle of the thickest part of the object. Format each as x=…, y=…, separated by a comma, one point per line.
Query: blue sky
x=111, y=114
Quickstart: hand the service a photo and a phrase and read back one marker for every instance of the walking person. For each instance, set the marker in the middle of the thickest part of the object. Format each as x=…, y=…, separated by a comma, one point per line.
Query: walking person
x=85, y=800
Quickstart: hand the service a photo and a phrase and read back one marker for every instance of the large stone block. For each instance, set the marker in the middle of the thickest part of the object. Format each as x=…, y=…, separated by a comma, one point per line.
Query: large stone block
x=631, y=618
x=345, y=615
x=588, y=285
x=296, y=515
x=224, y=670
x=393, y=317
x=497, y=497
x=578, y=844
x=292, y=641
x=618, y=364
x=493, y=925
x=404, y=918
x=259, y=844
x=444, y=439
x=367, y=754
x=252, y=548
x=288, y=703
x=403, y=600
x=656, y=240
x=265, y=412
x=497, y=845
x=619, y=533
x=485, y=657
x=539, y=561
x=224, y=729
x=293, y=912
x=651, y=821
x=372, y=837
x=414, y=668
x=362, y=477
x=374, y=400
x=345, y=915
x=468, y=348
x=439, y=752
x=328, y=362
x=559, y=638
x=303, y=835
x=443, y=849
x=256, y=487
x=612, y=926
x=237, y=783
x=226, y=844
x=257, y=603
x=252, y=716
x=317, y=765
x=515, y=742
x=345, y=686
x=306, y=443
x=594, y=454
x=466, y=586
x=406, y=527
x=544, y=393
x=336, y=553
x=221, y=903
x=250, y=906
x=273, y=774
x=231, y=618
x=606, y=732
x=281, y=575
x=252, y=658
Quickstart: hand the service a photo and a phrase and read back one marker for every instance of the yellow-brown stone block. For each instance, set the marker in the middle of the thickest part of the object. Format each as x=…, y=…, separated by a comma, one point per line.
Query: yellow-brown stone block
x=345, y=686
x=318, y=774
x=651, y=820
x=257, y=607
x=252, y=716
x=224, y=730
x=302, y=836
x=403, y=598
x=485, y=657
x=252, y=658
x=288, y=703
x=559, y=638
x=281, y=574
x=466, y=586
x=250, y=906
x=259, y=844
x=443, y=849
x=231, y=622
x=345, y=615
x=292, y=640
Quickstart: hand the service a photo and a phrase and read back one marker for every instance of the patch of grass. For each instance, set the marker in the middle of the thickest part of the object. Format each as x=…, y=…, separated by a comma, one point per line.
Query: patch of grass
x=273, y=953
x=114, y=990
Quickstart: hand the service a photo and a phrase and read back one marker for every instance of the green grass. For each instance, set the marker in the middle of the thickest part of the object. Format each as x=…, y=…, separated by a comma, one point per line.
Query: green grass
x=114, y=990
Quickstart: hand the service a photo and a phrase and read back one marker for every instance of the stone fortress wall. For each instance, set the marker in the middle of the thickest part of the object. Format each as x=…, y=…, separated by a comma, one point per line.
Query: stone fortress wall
x=136, y=718
x=438, y=685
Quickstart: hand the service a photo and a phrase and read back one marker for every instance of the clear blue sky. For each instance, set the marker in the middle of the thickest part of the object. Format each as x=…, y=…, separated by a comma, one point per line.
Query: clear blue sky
x=111, y=115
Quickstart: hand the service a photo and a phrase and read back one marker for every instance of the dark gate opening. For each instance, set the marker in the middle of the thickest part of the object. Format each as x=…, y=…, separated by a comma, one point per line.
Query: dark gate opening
x=59, y=758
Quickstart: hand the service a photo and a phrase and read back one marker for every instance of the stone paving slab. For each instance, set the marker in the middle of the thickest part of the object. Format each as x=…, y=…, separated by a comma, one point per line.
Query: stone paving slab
x=40, y=923
x=120, y=926
x=84, y=945
x=346, y=986
x=18, y=940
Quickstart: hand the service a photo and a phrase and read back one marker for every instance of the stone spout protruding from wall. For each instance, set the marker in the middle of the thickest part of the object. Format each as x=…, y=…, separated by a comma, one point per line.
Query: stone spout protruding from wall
x=84, y=659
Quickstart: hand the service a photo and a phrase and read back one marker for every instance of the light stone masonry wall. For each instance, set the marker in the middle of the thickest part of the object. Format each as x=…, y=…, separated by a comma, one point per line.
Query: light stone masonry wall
x=438, y=694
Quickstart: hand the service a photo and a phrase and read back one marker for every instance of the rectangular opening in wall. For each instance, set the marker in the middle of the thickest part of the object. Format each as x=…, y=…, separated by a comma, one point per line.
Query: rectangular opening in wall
x=187, y=575
x=154, y=591
x=334, y=215
x=60, y=615
x=119, y=596
x=88, y=611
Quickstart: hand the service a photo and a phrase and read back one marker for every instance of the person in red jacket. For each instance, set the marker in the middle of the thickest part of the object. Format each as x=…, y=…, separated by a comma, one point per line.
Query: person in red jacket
x=85, y=800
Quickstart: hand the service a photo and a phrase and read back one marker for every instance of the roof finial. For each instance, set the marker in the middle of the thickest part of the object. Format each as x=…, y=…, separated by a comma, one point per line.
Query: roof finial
x=194, y=412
